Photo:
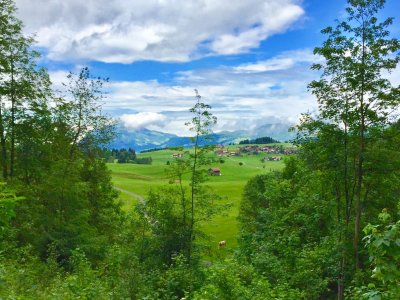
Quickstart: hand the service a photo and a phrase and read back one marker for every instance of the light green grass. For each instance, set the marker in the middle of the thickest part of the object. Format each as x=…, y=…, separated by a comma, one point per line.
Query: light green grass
x=140, y=179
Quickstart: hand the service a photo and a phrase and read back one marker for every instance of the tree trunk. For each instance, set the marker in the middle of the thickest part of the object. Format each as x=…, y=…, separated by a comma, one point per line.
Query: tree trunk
x=360, y=165
x=3, y=146
x=192, y=198
x=13, y=104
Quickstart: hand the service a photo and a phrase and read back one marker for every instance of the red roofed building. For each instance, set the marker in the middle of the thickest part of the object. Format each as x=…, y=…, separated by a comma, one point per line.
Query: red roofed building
x=214, y=171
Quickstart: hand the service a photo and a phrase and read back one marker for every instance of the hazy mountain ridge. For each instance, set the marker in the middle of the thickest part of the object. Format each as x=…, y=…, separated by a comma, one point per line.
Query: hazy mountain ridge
x=144, y=139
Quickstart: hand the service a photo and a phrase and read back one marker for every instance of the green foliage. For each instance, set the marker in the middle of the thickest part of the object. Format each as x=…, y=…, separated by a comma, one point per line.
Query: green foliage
x=25, y=277
x=123, y=155
x=286, y=230
x=8, y=201
x=175, y=282
x=234, y=280
x=383, y=244
x=143, y=161
x=261, y=140
x=345, y=142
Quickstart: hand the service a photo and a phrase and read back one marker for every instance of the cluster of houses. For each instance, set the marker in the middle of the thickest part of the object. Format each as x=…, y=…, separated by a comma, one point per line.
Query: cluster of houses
x=254, y=149
x=222, y=152
x=267, y=149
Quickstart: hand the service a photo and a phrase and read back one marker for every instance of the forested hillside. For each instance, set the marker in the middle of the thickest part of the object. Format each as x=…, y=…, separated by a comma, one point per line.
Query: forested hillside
x=325, y=227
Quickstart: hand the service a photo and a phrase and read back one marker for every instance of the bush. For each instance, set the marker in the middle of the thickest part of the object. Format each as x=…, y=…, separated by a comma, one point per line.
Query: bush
x=143, y=161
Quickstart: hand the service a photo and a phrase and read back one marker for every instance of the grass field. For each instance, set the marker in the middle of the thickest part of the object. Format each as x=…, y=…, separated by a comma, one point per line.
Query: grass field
x=140, y=179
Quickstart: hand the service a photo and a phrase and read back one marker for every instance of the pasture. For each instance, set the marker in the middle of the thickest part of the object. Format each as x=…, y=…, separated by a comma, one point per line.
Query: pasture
x=134, y=180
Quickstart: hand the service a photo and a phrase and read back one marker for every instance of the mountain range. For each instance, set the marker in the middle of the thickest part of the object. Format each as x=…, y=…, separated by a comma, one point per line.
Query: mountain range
x=145, y=139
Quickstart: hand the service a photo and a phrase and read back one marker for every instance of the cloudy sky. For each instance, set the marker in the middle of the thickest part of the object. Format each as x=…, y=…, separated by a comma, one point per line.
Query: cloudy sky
x=249, y=59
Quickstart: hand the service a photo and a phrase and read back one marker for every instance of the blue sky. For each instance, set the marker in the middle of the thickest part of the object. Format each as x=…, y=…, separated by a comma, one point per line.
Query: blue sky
x=249, y=59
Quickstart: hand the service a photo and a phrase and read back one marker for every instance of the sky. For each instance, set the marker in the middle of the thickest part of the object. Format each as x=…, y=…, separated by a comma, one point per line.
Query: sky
x=249, y=59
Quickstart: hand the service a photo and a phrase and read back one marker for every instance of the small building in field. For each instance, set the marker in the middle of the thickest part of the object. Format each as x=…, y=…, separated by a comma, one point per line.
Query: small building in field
x=273, y=158
x=221, y=152
x=177, y=155
x=234, y=153
x=214, y=172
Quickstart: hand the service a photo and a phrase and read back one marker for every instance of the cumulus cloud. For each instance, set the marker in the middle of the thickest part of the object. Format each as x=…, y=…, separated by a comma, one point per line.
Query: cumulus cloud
x=161, y=30
x=142, y=120
x=240, y=98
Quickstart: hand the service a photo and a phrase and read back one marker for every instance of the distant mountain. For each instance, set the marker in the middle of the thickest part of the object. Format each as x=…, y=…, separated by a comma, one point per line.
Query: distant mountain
x=144, y=139
x=139, y=140
x=278, y=131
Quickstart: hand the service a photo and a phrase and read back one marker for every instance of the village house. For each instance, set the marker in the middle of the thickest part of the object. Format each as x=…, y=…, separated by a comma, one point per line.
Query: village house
x=234, y=153
x=214, y=172
x=289, y=151
x=221, y=152
x=273, y=158
x=177, y=155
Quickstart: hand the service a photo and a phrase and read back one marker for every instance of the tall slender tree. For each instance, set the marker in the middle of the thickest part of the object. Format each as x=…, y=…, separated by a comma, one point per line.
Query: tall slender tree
x=22, y=83
x=354, y=97
x=200, y=125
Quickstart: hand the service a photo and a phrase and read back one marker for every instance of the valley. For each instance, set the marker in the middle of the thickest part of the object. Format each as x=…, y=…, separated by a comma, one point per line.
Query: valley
x=141, y=179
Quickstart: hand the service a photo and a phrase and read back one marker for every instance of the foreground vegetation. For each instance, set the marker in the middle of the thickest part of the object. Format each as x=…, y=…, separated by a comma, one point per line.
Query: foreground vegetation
x=324, y=226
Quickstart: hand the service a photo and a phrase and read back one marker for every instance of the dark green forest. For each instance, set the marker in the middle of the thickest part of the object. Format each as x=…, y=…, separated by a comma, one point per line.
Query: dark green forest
x=261, y=140
x=326, y=227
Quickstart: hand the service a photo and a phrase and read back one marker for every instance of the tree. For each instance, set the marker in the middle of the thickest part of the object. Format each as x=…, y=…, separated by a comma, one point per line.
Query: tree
x=286, y=229
x=83, y=106
x=70, y=198
x=354, y=100
x=382, y=242
x=22, y=83
x=174, y=215
x=201, y=125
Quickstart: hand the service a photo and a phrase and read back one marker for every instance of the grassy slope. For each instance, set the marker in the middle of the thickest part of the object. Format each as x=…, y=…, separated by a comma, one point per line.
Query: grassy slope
x=141, y=179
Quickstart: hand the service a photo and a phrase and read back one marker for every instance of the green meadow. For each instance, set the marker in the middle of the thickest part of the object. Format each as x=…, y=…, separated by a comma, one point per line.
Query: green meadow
x=135, y=179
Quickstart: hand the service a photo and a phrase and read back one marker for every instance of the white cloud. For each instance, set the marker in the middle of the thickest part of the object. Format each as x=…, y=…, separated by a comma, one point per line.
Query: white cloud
x=239, y=98
x=272, y=18
x=142, y=120
x=281, y=62
x=242, y=97
x=393, y=76
x=58, y=78
x=161, y=30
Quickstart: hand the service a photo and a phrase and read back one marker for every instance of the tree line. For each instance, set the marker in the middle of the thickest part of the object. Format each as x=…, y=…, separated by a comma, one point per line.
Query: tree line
x=123, y=156
x=261, y=140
